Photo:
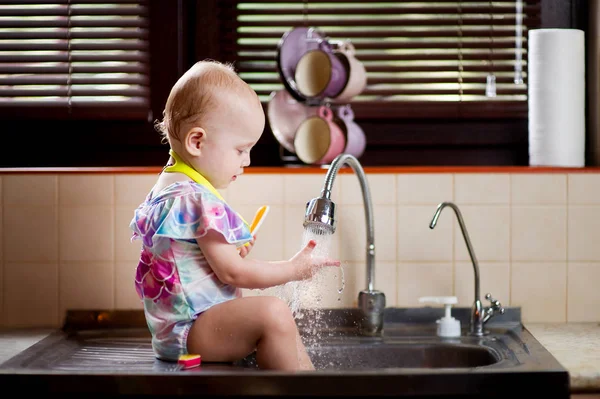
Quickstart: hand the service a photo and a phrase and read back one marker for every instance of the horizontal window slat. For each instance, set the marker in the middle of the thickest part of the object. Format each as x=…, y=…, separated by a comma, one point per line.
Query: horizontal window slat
x=108, y=56
x=66, y=2
x=65, y=68
x=393, y=45
x=324, y=23
x=401, y=57
x=74, y=91
x=452, y=90
x=257, y=67
x=63, y=79
x=396, y=80
x=233, y=3
x=360, y=32
x=408, y=100
x=400, y=8
x=74, y=10
x=48, y=102
x=100, y=33
x=64, y=45
x=73, y=23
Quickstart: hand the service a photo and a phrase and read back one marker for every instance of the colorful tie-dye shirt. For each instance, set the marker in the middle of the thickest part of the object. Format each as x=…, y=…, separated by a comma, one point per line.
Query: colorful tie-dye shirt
x=173, y=278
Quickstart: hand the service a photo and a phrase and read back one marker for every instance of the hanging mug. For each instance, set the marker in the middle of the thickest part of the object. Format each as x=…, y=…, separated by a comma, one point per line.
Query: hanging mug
x=319, y=139
x=353, y=133
x=285, y=114
x=320, y=73
x=356, y=73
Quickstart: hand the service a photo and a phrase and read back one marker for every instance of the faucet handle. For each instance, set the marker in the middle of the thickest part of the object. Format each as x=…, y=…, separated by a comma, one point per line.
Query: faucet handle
x=496, y=305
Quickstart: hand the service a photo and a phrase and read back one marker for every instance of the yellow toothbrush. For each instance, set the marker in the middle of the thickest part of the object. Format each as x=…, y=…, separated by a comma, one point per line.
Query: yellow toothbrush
x=259, y=216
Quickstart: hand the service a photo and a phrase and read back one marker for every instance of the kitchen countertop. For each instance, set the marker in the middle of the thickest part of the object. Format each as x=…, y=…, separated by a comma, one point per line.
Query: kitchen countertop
x=14, y=341
x=576, y=346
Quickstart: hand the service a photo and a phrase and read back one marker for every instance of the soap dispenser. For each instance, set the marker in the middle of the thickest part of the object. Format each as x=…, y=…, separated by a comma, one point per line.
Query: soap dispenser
x=447, y=326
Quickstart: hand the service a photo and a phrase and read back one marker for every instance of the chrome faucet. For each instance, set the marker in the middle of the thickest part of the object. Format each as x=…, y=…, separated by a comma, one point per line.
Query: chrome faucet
x=320, y=216
x=479, y=315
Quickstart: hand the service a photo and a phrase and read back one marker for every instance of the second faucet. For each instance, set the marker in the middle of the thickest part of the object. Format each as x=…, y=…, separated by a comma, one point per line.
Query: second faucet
x=479, y=315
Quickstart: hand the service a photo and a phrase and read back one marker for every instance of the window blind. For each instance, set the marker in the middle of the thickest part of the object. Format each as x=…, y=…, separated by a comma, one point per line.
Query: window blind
x=423, y=58
x=79, y=59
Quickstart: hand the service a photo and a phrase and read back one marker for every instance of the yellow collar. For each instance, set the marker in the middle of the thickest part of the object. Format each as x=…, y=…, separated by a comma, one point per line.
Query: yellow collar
x=182, y=167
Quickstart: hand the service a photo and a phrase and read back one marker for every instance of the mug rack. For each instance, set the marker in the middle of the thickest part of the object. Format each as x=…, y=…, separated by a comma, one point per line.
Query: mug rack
x=293, y=45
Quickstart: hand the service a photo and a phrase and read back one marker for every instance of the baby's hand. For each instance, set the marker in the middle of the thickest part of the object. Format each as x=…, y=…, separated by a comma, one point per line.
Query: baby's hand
x=245, y=249
x=306, y=265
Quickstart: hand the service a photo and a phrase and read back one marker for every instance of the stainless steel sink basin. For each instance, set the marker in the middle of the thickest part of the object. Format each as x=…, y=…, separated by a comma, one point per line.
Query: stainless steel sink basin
x=402, y=355
x=424, y=352
x=109, y=354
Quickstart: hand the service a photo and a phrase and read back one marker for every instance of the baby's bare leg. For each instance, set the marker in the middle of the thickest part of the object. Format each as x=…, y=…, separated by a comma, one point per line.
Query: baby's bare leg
x=232, y=330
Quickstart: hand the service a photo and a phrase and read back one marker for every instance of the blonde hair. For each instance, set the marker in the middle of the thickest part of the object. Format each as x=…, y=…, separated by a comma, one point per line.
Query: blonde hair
x=195, y=93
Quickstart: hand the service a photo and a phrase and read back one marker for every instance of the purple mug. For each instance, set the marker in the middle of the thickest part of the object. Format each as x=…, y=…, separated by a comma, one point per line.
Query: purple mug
x=320, y=73
x=353, y=133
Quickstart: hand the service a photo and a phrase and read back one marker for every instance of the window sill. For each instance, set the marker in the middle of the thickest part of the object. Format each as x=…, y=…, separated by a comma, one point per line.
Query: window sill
x=310, y=169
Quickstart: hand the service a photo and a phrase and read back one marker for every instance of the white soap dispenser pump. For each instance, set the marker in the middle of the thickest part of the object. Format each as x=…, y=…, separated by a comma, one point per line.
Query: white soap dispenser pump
x=447, y=326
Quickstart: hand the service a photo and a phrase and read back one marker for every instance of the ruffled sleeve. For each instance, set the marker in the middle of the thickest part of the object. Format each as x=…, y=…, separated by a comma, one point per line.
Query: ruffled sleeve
x=188, y=213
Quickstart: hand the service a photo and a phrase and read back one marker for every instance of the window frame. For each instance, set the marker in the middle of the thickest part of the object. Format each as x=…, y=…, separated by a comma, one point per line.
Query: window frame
x=185, y=31
x=52, y=142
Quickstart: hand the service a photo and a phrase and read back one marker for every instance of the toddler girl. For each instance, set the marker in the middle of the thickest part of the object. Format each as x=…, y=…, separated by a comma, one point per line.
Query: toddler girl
x=193, y=261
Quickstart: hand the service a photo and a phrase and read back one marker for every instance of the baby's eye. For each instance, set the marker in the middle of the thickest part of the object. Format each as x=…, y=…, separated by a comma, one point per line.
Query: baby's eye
x=240, y=152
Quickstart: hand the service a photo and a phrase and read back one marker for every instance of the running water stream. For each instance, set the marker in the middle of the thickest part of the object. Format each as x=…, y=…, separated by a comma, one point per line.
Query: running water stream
x=305, y=297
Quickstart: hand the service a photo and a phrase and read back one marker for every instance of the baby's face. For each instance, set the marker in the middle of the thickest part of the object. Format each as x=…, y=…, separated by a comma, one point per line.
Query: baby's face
x=237, y=126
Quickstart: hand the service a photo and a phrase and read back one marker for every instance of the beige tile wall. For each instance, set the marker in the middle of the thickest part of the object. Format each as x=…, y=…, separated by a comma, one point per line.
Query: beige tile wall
x=65, y=240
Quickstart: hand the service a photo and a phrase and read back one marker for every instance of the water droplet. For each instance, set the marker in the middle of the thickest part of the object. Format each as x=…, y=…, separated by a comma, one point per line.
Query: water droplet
x=341, y=289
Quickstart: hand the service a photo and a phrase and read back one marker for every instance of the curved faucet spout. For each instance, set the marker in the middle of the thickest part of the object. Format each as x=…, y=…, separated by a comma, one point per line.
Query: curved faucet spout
x=465, y=234
x=336, y=165
x=320, y=215
x=479, y=314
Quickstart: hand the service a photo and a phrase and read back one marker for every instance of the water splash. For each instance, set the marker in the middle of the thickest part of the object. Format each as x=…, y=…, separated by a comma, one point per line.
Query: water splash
x=305, y=297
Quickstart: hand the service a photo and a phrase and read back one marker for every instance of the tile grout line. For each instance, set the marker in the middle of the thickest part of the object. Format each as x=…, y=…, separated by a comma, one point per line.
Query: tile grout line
x=453, y=177
x=2, y=256
x=510, y=239
x=567, y=249
x=114, y=240
x=58, y=252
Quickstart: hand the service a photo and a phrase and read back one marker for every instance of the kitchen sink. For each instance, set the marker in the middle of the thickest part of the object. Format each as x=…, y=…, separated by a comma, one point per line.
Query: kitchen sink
x=417, y=354
x=402, y=355
x=109, y=354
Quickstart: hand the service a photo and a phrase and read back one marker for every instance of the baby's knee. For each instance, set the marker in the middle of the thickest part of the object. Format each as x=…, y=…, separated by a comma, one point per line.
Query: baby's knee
x=278, y=315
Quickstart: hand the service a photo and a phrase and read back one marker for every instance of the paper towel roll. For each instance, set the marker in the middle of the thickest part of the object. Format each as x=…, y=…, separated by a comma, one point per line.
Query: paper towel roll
x=556, y=96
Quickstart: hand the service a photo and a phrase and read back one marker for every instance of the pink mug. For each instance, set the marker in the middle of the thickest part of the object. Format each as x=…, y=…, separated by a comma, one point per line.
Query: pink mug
x=319, y=139
x=285, y=114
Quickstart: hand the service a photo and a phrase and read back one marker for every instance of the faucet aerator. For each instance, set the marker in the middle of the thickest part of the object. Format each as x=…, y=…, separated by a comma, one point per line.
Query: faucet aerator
x=320, y=216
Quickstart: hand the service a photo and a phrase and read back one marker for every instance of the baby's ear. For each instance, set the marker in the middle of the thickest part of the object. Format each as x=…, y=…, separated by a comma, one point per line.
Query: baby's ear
x=194, y=139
